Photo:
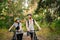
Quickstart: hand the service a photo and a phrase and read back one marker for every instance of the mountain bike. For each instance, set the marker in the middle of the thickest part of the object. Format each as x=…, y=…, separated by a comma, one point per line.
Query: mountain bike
x=34, y=34
x=14, y=36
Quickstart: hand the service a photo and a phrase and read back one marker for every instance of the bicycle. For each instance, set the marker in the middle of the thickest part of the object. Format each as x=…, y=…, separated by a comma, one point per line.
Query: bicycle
x=34, y=34
x=14, y=36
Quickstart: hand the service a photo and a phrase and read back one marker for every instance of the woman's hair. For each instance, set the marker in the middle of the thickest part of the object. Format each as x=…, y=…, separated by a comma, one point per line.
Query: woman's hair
x=16, y=19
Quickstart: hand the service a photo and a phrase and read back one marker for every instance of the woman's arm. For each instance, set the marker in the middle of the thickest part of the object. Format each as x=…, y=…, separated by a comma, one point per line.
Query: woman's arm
x=37, y=25
x=10, y=27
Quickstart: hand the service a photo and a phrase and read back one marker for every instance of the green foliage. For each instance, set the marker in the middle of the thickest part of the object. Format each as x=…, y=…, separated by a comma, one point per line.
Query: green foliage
x=48, y=17
x=57, y=26
x=5, y=21
x=8, y=8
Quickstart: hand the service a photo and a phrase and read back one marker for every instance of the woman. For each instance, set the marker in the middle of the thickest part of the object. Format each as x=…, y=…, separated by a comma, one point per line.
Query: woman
x=18, y=28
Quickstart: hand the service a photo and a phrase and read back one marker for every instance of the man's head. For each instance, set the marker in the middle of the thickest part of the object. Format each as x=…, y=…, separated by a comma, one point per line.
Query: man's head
x=29, y=16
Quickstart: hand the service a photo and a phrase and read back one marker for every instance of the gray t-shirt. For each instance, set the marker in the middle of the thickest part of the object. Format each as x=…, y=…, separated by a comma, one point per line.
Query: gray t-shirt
x=31, y=24
x=16, y=25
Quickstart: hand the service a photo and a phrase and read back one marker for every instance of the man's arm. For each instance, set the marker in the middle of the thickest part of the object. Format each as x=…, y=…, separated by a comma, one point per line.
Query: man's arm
x=37, y=25
x=27, y=26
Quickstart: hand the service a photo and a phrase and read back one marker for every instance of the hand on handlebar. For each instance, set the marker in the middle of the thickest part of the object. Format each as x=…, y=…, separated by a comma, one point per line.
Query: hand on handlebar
x=18, y=30
x=28, y=30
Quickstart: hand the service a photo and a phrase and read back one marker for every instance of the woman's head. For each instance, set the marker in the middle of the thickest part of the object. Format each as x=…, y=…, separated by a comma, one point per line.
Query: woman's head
x=17, y=20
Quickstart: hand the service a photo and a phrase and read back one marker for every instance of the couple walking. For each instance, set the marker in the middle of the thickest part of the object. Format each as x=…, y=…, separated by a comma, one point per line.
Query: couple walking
x=29, y=25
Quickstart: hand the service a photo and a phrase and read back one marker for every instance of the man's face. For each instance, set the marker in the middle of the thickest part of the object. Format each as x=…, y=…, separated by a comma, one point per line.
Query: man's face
x=29, y=16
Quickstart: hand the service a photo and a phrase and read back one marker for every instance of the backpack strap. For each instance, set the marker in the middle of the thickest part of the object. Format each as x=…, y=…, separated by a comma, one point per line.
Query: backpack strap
x=33, y=21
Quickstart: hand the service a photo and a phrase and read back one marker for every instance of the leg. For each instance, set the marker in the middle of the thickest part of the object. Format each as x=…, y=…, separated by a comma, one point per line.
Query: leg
x=28, y=33
x=19, y=36
x=35, y=37
x=31, y=35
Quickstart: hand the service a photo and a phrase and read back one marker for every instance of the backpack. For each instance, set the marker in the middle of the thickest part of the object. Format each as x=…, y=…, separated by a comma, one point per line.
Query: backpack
x=33, y=22
x=17, y=28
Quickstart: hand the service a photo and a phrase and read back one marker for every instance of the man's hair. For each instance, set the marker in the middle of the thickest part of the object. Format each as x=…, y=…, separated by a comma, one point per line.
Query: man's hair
x=29, y=15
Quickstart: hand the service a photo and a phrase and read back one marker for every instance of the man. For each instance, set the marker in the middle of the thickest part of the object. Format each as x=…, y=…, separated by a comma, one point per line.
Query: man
x=30, y=26
x=18, y=28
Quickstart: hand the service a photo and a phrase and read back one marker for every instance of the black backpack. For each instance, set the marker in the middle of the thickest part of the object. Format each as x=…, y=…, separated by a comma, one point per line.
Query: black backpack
x=17, y=28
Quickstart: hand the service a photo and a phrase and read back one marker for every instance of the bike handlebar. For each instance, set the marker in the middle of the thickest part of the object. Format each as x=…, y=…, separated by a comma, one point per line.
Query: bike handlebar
x=18, y=31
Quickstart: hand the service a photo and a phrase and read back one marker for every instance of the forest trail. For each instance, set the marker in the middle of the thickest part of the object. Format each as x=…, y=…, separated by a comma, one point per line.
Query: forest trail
x=5, y=35
x=44, y=34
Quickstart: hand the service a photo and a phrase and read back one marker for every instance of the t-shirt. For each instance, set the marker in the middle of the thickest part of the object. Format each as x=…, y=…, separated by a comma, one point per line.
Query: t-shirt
x=31, y=24
x=16, y=25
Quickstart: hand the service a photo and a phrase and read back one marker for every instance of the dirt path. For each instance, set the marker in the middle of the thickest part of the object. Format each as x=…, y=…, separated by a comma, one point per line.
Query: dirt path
x=5, y=35
x=25, y=37
x=44, y=34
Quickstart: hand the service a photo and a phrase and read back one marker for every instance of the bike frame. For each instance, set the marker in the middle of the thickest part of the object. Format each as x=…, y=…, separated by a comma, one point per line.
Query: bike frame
x=34, y=34
x=15, y=35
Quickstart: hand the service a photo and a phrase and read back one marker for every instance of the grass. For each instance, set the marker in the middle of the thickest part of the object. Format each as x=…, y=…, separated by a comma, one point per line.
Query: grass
x=5, y=35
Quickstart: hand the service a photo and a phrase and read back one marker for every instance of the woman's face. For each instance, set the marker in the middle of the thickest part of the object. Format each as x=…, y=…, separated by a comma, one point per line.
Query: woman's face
x=18, y=20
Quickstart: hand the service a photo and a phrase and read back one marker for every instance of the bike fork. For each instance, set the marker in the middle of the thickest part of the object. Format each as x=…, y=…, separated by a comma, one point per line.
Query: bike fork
x=33, y=36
